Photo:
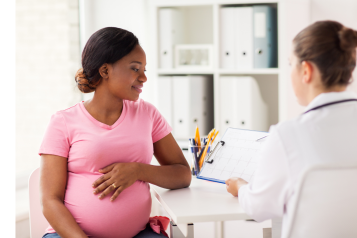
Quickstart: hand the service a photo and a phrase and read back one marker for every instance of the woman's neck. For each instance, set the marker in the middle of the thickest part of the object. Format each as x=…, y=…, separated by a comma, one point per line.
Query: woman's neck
x=315, y=91
x=104, y=108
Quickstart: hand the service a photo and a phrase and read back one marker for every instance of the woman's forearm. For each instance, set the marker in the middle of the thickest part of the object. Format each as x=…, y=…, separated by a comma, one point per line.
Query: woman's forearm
x=61, y=219
x=167, y=176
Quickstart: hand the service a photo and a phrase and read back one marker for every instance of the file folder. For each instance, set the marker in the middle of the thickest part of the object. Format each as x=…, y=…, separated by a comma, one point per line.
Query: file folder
x=244, y=38
x=165, y=97
x=265, y=36
x=170, y=33
x=241, y=104
x=227, y=52
x=192, y=105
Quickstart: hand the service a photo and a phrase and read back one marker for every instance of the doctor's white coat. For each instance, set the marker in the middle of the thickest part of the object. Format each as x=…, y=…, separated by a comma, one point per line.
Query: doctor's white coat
x=321, y=136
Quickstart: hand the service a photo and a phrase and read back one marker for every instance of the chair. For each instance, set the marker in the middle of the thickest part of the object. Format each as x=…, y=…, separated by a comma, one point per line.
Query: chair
x=38, y=222
x=325, y=204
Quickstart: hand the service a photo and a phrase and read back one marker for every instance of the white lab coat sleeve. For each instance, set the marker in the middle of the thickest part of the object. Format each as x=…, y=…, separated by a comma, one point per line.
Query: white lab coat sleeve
x=266, y=195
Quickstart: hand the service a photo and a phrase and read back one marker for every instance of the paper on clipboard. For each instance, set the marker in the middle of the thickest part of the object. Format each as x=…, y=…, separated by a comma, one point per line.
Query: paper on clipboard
x=237, y=158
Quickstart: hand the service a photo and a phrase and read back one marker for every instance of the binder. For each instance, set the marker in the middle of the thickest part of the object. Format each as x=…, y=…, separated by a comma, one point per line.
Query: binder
x=227, y=52
x=192, y=105
x=244, y=38
x=236, y=38
x=170, y=33
x=241, y=104
x=265, y=36
x=165, y=97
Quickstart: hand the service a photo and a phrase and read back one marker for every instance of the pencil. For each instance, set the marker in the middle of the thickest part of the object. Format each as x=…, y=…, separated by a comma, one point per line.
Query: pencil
x=206, y=148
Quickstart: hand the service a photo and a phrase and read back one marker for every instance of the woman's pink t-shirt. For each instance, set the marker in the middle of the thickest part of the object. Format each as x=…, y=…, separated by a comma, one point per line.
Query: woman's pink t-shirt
x=91, y=145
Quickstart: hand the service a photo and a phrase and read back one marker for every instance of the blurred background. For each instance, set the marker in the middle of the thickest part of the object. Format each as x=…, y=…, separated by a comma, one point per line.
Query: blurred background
x=188, y=45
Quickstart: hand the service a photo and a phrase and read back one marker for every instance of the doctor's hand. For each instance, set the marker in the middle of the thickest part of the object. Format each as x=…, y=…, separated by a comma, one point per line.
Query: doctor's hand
x=234, y=184
x=116, y=177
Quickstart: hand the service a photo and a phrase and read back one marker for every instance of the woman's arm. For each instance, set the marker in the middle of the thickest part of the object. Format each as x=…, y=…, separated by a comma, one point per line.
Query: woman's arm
x=52, y=188
x=173, y=173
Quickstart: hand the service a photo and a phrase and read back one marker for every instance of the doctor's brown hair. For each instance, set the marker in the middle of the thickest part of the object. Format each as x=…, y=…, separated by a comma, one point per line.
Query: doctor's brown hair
x=332, y=47
x=106, y=45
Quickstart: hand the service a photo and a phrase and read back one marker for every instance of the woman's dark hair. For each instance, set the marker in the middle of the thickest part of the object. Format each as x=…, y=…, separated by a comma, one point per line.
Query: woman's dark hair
x=106, y=45
x=332, y=47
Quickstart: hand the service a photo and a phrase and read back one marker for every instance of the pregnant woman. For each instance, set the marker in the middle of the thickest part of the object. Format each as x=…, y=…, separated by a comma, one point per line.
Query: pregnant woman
x=95, y=155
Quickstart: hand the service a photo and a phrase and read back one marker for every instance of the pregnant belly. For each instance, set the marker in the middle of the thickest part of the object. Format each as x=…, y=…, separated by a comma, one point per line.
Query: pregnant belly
x=126, y=216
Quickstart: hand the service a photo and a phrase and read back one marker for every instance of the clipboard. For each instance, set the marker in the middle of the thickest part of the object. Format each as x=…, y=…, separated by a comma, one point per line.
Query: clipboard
x=237, y=156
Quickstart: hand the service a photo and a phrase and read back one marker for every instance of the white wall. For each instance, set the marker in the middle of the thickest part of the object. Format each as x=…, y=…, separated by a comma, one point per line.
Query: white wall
x=301, y=13
x=47, y=57
x=131, y=15
x=7, y=119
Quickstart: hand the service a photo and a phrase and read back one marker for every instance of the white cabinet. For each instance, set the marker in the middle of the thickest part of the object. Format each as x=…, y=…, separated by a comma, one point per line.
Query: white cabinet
x=251, y=103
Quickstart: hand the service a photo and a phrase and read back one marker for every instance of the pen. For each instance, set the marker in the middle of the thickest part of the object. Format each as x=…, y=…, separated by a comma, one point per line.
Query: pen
x=194, y=154
x=261, y=138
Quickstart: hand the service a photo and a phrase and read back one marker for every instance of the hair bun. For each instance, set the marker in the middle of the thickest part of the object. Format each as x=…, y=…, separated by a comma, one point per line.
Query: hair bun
x=82, y=82
x=348, y=39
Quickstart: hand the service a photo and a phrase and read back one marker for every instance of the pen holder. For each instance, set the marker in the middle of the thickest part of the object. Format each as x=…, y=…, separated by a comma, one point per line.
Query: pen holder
x=196, y=154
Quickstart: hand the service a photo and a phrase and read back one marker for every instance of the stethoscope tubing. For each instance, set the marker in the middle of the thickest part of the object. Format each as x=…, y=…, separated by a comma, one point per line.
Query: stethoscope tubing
x=331, y=103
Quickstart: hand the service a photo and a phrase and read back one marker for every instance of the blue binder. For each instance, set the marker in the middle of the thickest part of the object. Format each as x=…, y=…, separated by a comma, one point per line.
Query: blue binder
x=265, y=37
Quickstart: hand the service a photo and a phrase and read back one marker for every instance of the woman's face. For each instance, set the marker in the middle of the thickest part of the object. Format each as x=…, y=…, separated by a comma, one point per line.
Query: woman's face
x=126, y=77
x=296, y=74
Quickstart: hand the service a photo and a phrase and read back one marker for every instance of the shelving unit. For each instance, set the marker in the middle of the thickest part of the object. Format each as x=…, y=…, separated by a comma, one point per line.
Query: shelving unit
x=270, y=80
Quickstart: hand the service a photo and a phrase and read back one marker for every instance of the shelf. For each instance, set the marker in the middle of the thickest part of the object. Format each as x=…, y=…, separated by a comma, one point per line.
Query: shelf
x=269, y=71
x=184, y=71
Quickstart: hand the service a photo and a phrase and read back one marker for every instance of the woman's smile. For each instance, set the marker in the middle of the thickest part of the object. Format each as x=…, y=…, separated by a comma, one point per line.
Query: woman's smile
x=138, y=88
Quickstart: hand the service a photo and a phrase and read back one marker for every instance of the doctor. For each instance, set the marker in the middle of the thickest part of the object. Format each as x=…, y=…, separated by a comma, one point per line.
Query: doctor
x=322, y=62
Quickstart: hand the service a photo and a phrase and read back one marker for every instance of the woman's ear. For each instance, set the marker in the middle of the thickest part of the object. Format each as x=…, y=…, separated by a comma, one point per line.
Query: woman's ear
x=103, y=71
x=307, y=70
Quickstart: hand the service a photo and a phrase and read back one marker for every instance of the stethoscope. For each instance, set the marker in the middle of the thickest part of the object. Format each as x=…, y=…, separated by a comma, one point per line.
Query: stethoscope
x=329, y=104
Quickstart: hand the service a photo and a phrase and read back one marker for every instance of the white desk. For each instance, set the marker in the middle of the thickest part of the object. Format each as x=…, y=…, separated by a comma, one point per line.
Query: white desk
x=203, y=201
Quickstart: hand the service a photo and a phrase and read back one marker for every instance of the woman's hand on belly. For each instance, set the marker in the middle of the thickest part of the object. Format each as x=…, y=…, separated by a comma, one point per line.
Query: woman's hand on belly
x=117, y=177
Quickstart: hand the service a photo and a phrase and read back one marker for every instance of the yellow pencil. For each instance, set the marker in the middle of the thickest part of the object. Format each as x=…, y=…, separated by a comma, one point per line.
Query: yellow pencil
x=198, y=138
x=206, y=148
x=215, y=136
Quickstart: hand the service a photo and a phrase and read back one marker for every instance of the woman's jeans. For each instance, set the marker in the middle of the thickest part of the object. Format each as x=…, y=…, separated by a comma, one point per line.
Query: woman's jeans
x=147, y=233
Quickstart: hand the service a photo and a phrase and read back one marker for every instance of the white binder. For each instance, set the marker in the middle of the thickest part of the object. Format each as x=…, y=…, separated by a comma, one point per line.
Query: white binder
x=192, y=105
x=165, y=97
x=170, y=33
x=244, y=38
x=265, y=37
x=227, y=52
x=241, y=104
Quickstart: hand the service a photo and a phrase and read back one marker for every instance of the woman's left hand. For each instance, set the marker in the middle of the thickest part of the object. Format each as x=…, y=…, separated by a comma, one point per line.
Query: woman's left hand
x=117, y=176
x=233, y=185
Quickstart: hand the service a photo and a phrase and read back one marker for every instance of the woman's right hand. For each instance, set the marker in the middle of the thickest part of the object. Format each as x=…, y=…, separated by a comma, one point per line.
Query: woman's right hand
x=117, y=177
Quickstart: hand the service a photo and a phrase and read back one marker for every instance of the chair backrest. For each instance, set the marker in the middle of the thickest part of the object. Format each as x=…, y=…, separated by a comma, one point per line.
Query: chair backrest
x=325, y=204
x=38, y=222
